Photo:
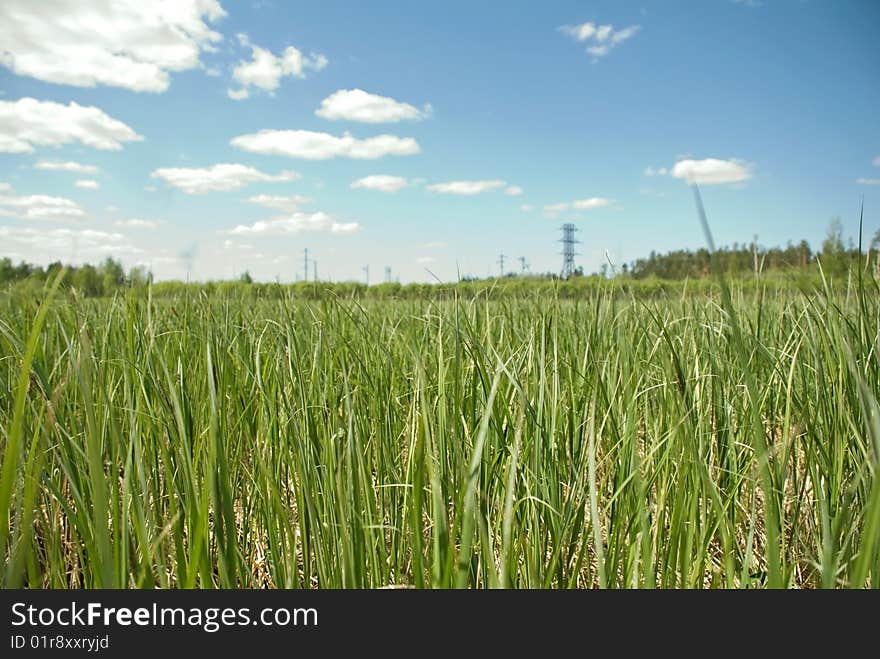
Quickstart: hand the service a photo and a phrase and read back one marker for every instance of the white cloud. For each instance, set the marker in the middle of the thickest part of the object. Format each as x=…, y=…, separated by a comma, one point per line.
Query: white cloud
x=44, y=245
x=265, y=70
x=358, y=105
x=39, y=206
x=380, y=182
x=660, y=171
x=425, y=260
x=87, y=184
x=876, y=161
x=138, y=223
x=591, y=203
x=868, y=181
x=466, y=188
x=221, y=177
x=131, y=44
x=527, y=208
x=513, y=191
x=27, y=123
x=69, y=166
x=310, y=145
x=295, y=223
x=287, y=203
x=711, y=171
x=601, y=39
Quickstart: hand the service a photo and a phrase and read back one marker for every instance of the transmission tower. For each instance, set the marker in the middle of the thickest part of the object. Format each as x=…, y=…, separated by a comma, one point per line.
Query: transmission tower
x=568, y=242
x=523, y=264
x=306, y=264
x=366, y=270
x=314, y=270
x=501, y=263
x=387, y=274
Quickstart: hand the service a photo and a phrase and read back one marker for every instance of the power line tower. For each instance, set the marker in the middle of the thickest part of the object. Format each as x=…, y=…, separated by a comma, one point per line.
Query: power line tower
x=306, y=264
x=314, y=271
x=387, y=274
x=568, y=242
x=523, y=264
x=501, y=263
x=366, y=270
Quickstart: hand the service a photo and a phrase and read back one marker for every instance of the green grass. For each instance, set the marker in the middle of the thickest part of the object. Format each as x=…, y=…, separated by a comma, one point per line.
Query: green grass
x=516, y=440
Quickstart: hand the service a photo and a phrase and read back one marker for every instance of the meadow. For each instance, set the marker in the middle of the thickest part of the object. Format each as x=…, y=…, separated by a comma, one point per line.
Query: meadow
x=707, y=438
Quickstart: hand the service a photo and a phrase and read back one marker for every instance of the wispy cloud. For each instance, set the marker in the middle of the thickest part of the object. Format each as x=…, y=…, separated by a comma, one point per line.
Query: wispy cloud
x=221, y=177
x=466, y=188
x=295, y=223
x=601, y=39
x=68, y=166
x=591, y=203
x=380, y=182
x=311, y=145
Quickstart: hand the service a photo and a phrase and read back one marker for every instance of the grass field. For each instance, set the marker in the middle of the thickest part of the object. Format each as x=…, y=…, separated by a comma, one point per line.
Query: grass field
x=524, y=441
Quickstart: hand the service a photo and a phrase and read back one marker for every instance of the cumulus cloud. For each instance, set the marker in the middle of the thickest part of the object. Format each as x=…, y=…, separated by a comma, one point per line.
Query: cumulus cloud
x=466, y=188
x=711, y=171
x=264, y=70
x=380, y=182
x=132, y=44
x=310, y=145
x=295, y=223
x=138, y=223
x=513, y=191
x=868, y=181
x=87, y=184
x=69, y=166
x=221, y=177
x=27, y=123
x=358, y=105
x=591, y=203
x=39, y=206
x=601, y=39
x=287, y=203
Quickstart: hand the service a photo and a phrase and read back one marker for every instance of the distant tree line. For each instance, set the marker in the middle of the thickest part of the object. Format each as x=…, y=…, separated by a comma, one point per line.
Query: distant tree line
x=834, y=257
x=739, y=260
x=89, y=280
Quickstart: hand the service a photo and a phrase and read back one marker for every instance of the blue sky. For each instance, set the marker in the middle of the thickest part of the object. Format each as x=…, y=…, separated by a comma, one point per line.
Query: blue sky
x=595, y=112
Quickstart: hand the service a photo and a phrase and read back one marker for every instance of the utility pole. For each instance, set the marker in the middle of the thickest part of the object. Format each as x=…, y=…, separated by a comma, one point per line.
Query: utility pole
x=366, y=270
x=568, y=242
x=523, y=264
x=501, y=263
x=314, y=271
x=306, y=264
